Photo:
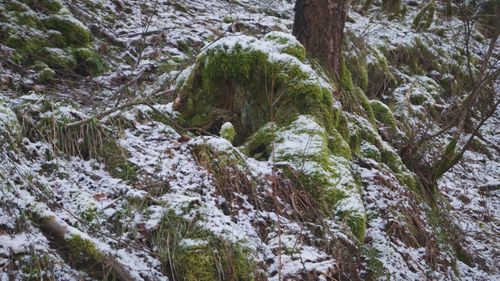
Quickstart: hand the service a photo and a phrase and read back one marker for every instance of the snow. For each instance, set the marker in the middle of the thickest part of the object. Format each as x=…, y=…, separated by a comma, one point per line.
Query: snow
x=86, y=199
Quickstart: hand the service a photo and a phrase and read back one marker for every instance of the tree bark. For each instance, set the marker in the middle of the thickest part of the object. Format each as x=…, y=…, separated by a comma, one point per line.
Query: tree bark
x=319, y=26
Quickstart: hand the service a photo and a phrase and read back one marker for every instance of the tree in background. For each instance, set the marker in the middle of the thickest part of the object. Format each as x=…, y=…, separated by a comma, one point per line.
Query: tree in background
x=319, y=26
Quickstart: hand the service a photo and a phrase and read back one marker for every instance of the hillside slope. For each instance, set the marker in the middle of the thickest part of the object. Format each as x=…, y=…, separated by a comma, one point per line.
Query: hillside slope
x=197, y=140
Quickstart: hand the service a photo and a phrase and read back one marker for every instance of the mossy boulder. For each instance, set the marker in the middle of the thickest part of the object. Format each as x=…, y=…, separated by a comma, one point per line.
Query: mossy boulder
x=369, y=150
x=72, y=29
x=317, y=162
x=189, y=252
x=45, y=6
x=250, y=82
x=88, y=62
x=57, y=58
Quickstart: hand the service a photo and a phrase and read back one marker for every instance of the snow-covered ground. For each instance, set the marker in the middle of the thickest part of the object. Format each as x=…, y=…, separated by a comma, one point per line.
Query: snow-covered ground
x=279, y=229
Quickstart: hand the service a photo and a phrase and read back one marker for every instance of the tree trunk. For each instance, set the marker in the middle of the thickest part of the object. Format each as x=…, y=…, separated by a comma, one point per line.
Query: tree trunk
x=319, y=26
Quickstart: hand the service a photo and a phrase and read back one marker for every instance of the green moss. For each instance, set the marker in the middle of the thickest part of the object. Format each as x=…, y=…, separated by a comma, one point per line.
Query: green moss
x=424, y=17
x=356, y=102
x=448, y=158
x=287, y=45
x=357, y=224
x=227, y=131
x=408, y=179
x=369, y=150
x=379, y=75
x=200, y=263
x=27, y=47
x=228, y=19
x=240, y=86
x=27, y=18
x=57, y=58
x=82, y=251
x=45, y=75
x=345, y=78
x=89, y=62
x=338, y=146
x=375, y=266
x=384, y=115
x=258, y=145
x=73, y=30
x=418, y=99
x=359, y=71
x=206, y=257
x=46, y=6
x=16, y=6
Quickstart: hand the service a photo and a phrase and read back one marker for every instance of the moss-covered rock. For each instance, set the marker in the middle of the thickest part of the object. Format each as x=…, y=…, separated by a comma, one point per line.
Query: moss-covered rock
x=72, y=29
x=189, y=252
x=57, y=58
x=258, y=145
x=88, y=62
x=287, y=44
x=369, y=150
x=46, y=6
x=83, y=251
x=306, y=148
x=250, y=82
